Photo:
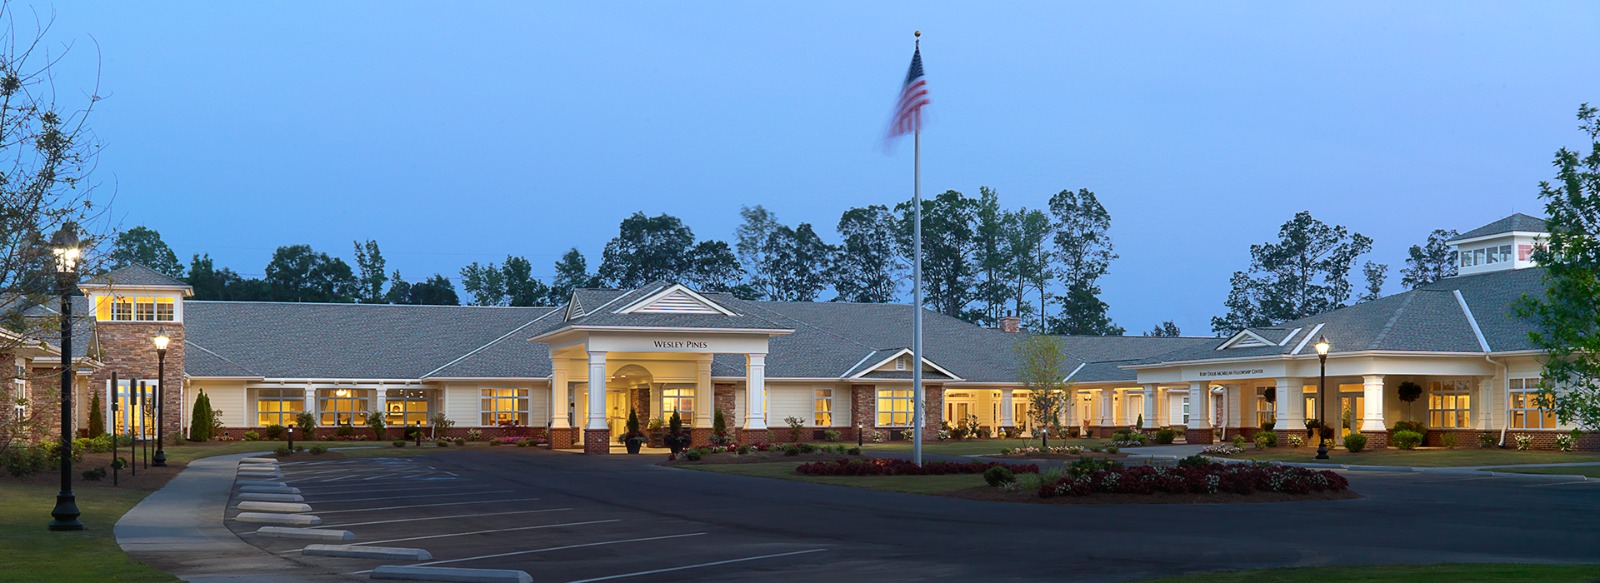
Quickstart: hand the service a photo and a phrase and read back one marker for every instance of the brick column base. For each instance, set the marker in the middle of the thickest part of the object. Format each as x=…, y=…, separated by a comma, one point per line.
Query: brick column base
x=753, y=436
x=1377, y=439
x=565, y=438
x=1283, y=437
x=1199, y=436
x=597, y=441
x=699, y=436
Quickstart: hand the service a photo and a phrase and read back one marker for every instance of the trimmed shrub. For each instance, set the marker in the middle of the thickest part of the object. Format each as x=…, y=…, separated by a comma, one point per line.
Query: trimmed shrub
x=693, y=455
x=97, y=417
x=998, y=475
x=283, y=451
x=252, y=436
x=1295, y=440
x=1406, y=439
x=273, y=432
x=1238, y=441
x=1565, y=442
x=94, y=475
x=1266, y=439
x=200, y=422
x=318, y=449
x=1165, y=436
x=1412, y=426
x=1355, y=442
x=460, y=442
x=854, y=451
x=1199, y=477
x=1448, y=440
x=831, y=435
x=1486, y=440
x=376, y=424
x=399, y=443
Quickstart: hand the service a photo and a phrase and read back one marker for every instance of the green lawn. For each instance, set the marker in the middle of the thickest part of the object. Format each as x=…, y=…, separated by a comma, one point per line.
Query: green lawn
x=974, y=446
x=193, y=451
x=1420, y=457
x=1447, y=573
x=912, y=484
x=1587, y=471
x=33, y=553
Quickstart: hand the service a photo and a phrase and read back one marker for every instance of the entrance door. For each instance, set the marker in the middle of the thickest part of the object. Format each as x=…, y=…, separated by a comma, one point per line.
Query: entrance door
x=1350, y=413
x=617, y=412
x=132, y=414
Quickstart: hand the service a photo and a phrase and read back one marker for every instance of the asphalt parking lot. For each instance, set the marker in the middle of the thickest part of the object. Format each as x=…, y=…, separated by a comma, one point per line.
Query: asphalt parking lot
x=569, y=517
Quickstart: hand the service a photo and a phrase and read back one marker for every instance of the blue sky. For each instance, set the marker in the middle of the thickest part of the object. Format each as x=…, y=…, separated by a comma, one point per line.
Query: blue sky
x=460, y=132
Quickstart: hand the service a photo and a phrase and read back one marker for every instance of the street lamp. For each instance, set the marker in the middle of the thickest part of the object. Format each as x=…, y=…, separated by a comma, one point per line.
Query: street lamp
x=64, y=248
x=161, y=341
x=1322, y=402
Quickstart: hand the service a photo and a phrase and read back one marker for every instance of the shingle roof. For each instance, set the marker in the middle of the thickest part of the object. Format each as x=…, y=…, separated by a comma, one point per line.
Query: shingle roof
x=599, y=308
x=134, y=275
x=1516, y=222
x=348, y=341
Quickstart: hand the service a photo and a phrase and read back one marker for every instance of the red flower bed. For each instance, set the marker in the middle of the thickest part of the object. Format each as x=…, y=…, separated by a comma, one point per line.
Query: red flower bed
x=888, y=467
x=1197, y=479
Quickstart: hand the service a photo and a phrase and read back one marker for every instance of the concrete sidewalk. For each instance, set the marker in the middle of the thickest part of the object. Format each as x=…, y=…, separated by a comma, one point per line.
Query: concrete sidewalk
x=179, y=529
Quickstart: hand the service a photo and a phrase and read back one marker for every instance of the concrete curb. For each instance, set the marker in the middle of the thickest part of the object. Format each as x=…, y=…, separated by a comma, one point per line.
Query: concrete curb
x=257, y=460
x=283, y=519
x=355, y=552
x=305, y=533
x=268, y=489
x=270, y=497
x=285, y=507
x=1544, y=477
x=267, y=483
x=451, y=574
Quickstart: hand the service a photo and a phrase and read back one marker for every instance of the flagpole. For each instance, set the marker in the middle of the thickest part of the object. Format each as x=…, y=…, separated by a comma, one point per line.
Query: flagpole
x=916, y=311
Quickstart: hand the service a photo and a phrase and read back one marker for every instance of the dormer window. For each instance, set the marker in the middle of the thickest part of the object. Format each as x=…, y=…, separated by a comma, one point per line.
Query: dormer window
x=135, y=309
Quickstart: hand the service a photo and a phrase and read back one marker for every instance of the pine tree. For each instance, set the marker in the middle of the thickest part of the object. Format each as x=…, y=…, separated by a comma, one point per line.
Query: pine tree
x=200, y=418
x=97, y=417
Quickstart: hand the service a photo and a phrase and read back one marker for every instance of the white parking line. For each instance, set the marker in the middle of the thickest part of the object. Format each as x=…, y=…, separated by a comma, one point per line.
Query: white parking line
x=392, y=521
x=515, y=529
x=711, y=564
x=320, y=513
x=304, y=489
x=1580, y=480
x=547, y=550
x=406, y=497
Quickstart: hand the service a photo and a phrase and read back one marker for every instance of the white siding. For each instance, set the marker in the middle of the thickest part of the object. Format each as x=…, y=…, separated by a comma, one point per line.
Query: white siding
x=790, y=401
x=464, y=405
x=539, y=405
x=230, y=400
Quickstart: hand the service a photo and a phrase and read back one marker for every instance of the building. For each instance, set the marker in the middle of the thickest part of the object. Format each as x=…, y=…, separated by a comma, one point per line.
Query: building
x=816, y=367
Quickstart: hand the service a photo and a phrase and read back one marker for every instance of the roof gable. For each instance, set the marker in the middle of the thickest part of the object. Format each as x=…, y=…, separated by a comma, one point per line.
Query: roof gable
x=675, y=299
x=135, y=275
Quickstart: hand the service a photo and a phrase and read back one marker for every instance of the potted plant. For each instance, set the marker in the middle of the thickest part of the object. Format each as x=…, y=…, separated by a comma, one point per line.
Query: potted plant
x=633, y=438
x=657, y=431
x=676, y=438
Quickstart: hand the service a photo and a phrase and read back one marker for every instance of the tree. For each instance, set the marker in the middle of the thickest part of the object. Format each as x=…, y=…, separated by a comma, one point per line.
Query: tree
x=992, y=259
x=1567, y=318
x=1307, y=272
x=713, y=267
x=299, y=274
x=521, y=288
x=1041, y=369
x=97, y=415
x=200, y=418
x=399, y=290
x=750, y=239
x=948, y=242
x=1084, y=253
x=1027, y=242
x=1167, y=329
x=647, y=249
x=795, y=264
x=865, y=268
x=143, y=245
x=369, y=283
x=1432, y=261
x=487, y=284
x=435, y=291
x=1375, y=273
x=572, y=272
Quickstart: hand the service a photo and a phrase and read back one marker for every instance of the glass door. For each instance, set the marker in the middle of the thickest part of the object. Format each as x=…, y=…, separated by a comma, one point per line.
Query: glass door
x=617, y=412
x=133, y=413
x=1349, y=413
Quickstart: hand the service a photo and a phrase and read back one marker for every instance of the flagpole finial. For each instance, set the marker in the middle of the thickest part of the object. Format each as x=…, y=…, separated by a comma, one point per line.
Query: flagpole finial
x=918, y=34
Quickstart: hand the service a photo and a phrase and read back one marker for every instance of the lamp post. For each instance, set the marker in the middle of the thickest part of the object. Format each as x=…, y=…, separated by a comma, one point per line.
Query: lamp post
x=161, y=341
x=1322, y=398
x=64, y=246
x=291, y=436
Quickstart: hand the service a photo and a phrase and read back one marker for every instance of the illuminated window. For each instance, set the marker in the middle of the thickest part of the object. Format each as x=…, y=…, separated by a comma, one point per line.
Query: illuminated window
x=403, y=407
x=1530, y=410
x=824, y=408
x=1265, y=412
x=895, y=407
x=279, y=406
x=505, y=406
x=136, y=309
x=1449, y=404
x=679, y=399
x=343, y=406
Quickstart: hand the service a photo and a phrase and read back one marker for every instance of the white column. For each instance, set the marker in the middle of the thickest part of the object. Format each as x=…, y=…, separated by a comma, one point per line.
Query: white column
x=381, y=398
x=1108, y=415
x=1199, y=405
x=755, y=384
x=1006, y=419
x=597, y=391
x=1372, y=403
x=1149, y=407
x=560, y=383
x=1291, y=412
x=311, y=403
x=704, y=393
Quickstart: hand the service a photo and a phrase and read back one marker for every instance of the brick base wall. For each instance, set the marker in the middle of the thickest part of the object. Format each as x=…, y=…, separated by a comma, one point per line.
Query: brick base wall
x=753, y=436
x=1199, y=436
x=566, y=438
x=597, y=441
x=1542, y=439
x=1105, y=431
x=1377, y=439
x=699, y=436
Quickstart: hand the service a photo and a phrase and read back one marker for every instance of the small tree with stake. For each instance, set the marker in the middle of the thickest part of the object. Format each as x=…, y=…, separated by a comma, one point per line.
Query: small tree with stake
x=1039, y=366
x=1409, y=392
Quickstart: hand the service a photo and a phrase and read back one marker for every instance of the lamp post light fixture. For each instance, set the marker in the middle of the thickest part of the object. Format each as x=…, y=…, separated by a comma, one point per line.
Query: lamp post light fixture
x=161, y=340
x=1322, y=396
x=66, y=251
x=291, y=436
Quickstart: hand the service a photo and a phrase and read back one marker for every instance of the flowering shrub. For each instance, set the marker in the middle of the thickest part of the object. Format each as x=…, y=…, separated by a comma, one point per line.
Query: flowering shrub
x=1563, y=442
x=877, y=436
x=1295, y=440
x=1196, y=479
x=1222, y=449
x=888, y=467
x=1125, y=443
x=1067, y=449
x=1524, y=442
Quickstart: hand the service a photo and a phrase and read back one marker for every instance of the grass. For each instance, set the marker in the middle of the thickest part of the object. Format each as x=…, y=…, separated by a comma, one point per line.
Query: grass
x=1587, y=471
x=912, y=484
x=36, y=554
x=1430, y=457
x=1445, y=573
x=193, y=451
x=973, y=446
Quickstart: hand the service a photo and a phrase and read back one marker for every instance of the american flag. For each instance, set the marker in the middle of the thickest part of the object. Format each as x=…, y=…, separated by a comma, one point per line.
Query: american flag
x=913, y=95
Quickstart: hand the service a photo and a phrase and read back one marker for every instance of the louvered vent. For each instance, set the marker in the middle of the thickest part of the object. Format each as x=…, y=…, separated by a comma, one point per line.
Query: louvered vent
x=677, y=302
x=1249, y=342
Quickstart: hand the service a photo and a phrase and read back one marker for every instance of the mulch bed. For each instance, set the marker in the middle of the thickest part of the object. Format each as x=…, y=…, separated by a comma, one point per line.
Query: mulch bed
x=151, y=479
x=990, y=494
x=760, y=457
